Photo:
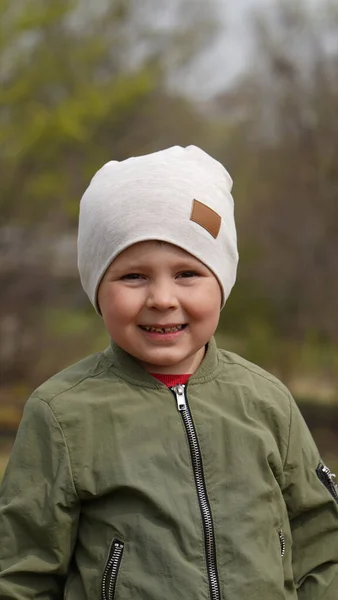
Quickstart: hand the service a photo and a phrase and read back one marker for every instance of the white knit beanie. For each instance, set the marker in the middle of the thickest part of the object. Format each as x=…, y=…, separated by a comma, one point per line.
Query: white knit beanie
x=179, y=195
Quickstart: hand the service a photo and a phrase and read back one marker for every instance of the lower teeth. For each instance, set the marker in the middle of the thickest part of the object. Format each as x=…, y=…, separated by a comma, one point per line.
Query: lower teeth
x=171, y=330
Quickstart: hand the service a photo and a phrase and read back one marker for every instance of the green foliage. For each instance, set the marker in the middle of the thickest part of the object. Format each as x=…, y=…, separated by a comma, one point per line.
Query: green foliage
x=74, y=80
x=57, y=97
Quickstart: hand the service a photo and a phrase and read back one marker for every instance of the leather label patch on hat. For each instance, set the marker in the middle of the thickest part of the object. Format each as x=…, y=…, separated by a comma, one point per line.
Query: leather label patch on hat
x=206, y=217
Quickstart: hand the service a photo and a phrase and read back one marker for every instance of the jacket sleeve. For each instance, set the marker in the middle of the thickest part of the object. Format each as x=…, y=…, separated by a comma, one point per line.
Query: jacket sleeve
x=39, y=509
x=313, y=515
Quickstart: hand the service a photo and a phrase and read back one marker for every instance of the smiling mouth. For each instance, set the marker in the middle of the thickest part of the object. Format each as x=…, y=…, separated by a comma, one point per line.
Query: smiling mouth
x=172, y=329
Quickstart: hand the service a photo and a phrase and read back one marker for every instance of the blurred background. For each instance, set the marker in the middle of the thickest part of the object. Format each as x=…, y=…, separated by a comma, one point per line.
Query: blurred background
x=255, y=84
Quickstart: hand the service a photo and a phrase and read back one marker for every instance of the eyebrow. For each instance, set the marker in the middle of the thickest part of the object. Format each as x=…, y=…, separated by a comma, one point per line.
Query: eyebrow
x=180, y=264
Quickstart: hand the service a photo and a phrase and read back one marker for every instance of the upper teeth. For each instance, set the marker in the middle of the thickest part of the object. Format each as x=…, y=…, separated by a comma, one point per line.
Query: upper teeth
x=162, y=329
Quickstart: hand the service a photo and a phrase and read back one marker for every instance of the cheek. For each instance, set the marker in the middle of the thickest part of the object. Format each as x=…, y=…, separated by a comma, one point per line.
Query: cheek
x=206, y=303
x=118, y=305
x=108, y=302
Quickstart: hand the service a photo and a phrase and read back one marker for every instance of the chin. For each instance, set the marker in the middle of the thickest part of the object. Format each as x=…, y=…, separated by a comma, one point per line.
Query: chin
x=162, y=361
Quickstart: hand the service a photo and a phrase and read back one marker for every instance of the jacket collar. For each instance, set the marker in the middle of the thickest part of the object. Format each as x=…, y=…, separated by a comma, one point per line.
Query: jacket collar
x=127, y=367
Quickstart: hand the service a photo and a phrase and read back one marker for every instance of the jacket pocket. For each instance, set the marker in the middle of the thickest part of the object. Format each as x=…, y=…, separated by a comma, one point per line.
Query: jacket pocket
x=282, y=542
x=112, y=570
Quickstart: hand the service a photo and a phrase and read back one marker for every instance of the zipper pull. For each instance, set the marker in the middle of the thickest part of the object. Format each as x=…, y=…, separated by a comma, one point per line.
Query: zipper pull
x=179, y=392
x=328, y=479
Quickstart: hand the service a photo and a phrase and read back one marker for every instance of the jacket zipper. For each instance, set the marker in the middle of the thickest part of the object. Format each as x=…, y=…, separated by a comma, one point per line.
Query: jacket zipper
x=328, y=479
x=282, y=542
x=111, y=571
x=196, y=459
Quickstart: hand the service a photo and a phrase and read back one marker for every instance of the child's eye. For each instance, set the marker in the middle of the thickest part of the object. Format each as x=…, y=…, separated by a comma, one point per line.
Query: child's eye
x=186, y=274
x=131, y=276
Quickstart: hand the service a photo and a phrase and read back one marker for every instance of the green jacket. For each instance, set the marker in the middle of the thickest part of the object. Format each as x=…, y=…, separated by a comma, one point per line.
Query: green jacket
x=115, y=488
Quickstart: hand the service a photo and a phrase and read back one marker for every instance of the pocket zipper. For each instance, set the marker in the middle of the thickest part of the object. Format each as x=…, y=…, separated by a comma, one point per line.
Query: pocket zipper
x=282, y=542
x=328, y=479
x=111, y=570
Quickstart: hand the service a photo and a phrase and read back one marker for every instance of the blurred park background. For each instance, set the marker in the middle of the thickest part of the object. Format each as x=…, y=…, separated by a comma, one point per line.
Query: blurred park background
x=254, y=83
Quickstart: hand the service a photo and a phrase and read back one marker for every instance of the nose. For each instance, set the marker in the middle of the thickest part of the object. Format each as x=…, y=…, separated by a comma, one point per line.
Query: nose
x=161, y=295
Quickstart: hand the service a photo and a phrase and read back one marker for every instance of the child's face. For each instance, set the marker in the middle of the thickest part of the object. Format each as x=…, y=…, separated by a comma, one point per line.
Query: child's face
x=154, y=286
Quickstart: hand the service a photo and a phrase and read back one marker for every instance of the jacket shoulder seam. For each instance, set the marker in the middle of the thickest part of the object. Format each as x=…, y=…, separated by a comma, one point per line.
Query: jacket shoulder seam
x=64, y=440
x=289, y=436
x=71, y=387
x=281, y=388
x=270, y=379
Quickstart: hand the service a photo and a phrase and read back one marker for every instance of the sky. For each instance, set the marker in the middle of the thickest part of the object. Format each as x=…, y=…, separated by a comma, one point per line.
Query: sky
x=231, y=50
x=230, y=53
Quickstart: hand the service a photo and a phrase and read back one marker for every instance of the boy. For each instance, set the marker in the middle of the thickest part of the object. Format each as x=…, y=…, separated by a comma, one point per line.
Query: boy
x=164, y=468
